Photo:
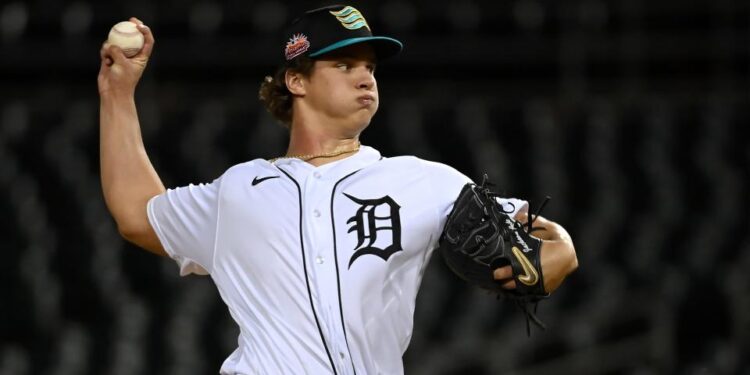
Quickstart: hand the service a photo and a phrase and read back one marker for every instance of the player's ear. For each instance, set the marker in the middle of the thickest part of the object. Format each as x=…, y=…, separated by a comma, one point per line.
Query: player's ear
x=295, y=82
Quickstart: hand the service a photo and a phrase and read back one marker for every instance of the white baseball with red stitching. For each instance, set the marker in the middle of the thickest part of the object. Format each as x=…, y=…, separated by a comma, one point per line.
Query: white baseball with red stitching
x=126, y=36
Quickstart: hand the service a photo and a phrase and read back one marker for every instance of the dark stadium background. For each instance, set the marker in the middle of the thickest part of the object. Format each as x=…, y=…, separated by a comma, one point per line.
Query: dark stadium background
x=630, y=114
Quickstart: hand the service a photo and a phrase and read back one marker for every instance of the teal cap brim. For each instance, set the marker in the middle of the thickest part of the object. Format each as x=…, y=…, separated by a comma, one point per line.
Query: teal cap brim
x=385, y=47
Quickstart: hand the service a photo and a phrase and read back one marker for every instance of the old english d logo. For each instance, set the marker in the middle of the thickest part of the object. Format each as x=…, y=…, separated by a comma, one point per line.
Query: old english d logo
x=530, y=276
x=368, y=225
x=351, y=18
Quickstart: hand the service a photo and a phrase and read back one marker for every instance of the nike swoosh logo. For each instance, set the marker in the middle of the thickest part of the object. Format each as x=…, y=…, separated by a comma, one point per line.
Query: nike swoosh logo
x=257, y=180
x=530, y=277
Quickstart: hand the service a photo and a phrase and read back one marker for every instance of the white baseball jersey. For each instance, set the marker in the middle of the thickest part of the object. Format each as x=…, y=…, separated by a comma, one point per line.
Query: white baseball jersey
x=319, y=266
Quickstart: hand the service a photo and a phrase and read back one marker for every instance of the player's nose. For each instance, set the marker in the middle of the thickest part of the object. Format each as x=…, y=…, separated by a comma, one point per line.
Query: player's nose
x=367, y=84
x=366, y=80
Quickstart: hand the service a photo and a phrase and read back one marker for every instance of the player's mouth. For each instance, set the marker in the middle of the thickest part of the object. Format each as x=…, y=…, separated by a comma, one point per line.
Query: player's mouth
x=366, y=100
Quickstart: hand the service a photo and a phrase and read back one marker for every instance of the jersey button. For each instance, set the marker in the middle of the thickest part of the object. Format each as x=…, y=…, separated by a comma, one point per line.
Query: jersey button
x=316, y=174
x=319, y=259
x=316, y=213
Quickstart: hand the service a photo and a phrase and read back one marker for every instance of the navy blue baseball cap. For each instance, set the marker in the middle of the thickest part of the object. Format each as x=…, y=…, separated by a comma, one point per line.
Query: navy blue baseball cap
x=323, y=30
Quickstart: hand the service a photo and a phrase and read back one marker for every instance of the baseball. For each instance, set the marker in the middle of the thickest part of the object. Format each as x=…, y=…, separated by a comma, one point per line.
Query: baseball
x=126, y=36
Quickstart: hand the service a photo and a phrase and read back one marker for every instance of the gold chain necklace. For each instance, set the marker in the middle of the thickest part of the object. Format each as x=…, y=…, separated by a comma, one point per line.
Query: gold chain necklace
x=315, y=156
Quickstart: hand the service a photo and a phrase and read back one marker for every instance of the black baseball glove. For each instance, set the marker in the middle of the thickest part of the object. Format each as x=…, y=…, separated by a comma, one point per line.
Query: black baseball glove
x=479, y=237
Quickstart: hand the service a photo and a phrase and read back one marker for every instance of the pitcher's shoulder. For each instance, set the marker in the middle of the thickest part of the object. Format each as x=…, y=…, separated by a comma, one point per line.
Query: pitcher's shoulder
x=411, y=161
x=249, y=168
x=417, y=167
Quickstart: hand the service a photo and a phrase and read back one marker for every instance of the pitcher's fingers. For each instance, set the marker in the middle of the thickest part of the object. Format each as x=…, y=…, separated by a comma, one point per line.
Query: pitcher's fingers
x=510, y=284
x=116, y=54
x=505, y=272
x=104, y=54
x=148, y=42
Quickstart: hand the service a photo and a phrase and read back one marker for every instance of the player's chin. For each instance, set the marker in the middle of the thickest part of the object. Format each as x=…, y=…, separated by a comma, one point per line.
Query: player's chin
x=366, y=112
x=361, y=120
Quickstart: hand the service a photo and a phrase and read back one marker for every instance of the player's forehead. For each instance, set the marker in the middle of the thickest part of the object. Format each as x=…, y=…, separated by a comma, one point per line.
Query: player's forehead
x=360, y=51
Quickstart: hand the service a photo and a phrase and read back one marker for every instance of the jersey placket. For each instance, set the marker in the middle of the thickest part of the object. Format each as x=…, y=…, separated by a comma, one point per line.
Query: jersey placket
x=318, y=238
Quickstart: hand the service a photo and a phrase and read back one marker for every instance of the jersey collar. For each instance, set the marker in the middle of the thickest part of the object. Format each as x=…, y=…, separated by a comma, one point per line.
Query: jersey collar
x=364, y=157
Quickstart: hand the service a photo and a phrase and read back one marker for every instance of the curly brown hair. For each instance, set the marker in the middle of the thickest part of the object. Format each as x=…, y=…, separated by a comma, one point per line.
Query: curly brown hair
x=274, y=94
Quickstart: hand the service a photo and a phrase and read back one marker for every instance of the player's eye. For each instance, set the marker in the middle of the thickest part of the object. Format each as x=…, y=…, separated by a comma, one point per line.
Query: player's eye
x=342, y=66
x=371, y=68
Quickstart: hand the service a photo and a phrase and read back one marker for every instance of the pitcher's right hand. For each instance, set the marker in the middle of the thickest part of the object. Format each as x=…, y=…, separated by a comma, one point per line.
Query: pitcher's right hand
x=119, y=74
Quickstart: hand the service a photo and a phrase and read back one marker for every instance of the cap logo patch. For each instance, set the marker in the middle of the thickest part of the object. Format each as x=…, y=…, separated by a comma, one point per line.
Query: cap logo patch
x=297, y=45
x=351, y=18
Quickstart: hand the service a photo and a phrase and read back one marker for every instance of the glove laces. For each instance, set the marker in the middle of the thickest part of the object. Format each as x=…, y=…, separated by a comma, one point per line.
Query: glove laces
x=522, y=303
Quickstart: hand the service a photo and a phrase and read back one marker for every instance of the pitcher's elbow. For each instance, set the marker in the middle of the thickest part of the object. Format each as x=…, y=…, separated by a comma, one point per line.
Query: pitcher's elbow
x=127, y=231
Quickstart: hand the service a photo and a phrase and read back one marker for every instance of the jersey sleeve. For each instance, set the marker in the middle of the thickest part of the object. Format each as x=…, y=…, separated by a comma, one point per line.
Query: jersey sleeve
x=185, y=220
x=446, y=183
